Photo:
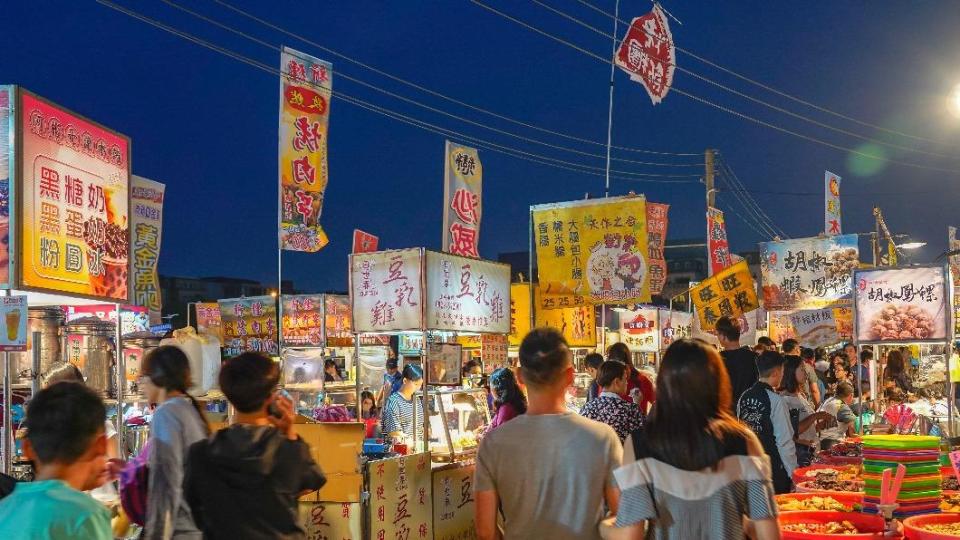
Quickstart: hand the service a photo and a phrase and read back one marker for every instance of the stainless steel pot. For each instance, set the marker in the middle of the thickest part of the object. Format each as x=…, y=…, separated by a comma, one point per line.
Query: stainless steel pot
x=135, y=438
x=135, y=348
x=48, y=320
x=90, y=346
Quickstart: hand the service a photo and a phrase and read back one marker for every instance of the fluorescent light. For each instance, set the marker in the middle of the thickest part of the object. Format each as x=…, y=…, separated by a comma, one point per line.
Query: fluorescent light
x=912, y=245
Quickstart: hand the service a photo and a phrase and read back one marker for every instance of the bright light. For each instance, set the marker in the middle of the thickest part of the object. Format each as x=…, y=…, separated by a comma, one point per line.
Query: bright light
x=912, y=245
x=954, y=101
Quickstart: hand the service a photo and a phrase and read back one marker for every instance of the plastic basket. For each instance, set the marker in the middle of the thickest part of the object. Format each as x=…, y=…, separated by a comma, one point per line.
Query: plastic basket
x=871, y=526
x=912, y=526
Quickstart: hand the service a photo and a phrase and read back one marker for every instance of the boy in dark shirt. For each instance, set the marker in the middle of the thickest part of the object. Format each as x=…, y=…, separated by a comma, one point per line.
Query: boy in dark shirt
x=245, y=480
x=741, y=362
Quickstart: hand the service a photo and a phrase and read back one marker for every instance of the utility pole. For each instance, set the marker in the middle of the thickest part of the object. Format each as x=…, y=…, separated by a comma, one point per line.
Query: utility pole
x=876, y=235
x=708, y=177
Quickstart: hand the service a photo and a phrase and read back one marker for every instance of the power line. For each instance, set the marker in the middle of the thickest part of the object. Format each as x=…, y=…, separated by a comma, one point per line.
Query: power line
x=728, y=110
x=513, y=152
x=743, y=189
x=751, y=98
x=779, y=92
x=423, y=105
x=749, y=204
x=750, y=211
x=749, y=224
x=434, y=93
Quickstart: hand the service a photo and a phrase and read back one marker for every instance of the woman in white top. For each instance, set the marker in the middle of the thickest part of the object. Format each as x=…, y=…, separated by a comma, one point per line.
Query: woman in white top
x=806, y=422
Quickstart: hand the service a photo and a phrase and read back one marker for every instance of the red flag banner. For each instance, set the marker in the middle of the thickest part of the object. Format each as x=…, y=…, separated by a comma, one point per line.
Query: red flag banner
x=647, y=53
x=364, y=242
x=656, y=239
x=717, y=245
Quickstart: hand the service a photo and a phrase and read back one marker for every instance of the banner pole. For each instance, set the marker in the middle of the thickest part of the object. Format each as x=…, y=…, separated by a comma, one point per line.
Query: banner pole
x=616, y=18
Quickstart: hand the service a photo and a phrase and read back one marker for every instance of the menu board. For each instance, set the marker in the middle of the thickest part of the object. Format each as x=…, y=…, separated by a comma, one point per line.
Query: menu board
x=815, y=328
x=385, y=291
x=337, y=317
x=807, y=273
x=493, y=350
x=577, y=324
x=467, y=295
x=75, y=227
x=400, y=505
x=453, y=503
x=249, y=324
x=302, y=320
x=908, y=305
x=444, y=363
x=208, y=320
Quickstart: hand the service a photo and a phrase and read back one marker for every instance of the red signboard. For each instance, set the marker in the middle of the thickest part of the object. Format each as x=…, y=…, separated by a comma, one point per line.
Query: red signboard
x=717, y=245
x=648, y=55
x=364, y=242
x=656, y=239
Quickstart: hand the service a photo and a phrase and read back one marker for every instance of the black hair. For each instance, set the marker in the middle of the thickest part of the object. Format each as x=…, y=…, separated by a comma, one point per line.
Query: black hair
x=470, y=365
x=412, y=372
x=366, y=394
x=610, y=371
x=768, y=361
x=168, y=367
x=505, y=389
x=544, y=355
x=895, y=365
x=62, y=372
x=807, y=353
x=789, y=345
x=620, y=352
x=765, y=341
x=865, y=355
x=728, y=328
x=328, y=363
x=63, y=420
x=844, y=389
x=790, y=382
x=248, y=380
x=894, y=395
x=593, y=360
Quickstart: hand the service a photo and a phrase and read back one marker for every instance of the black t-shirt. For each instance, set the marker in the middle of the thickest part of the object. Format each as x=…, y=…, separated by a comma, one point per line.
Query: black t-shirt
x=741, y=367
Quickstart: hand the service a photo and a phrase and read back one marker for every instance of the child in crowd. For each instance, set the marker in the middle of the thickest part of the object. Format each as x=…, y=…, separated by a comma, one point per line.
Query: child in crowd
x=244, y=482
x=68, y=446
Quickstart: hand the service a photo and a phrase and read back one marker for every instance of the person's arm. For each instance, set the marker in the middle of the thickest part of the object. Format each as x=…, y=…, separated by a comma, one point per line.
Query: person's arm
x=611, y=492
x=810, y=420
x=845, y=415
x=486, y=506
x=783, y=431
x=164, y=485
x=813, y=381
x=391, y=426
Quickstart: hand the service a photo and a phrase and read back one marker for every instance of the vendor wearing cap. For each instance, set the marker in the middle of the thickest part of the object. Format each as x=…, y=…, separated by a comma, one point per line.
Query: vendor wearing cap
x=392, y=379
x=765, y=412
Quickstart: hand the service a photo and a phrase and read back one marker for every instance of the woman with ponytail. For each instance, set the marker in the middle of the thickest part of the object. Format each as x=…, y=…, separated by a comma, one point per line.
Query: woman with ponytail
x=177, y=423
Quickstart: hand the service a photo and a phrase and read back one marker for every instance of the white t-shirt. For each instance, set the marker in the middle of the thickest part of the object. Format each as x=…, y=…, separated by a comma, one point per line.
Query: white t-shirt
x=806, y=409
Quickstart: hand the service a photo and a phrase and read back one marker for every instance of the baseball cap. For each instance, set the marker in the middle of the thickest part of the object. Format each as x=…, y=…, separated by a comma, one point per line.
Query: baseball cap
x=392, y=363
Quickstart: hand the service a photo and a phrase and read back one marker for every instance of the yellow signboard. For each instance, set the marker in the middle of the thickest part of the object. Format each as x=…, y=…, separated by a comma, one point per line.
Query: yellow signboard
x=400, y=503
x=596, y=249
x=577, y=324
x=342, y=521
x=453, y=503
x=729, y=293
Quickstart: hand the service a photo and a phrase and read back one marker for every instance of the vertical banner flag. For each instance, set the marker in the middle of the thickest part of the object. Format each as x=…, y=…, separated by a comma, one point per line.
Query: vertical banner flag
x=656, y=239
x=75, y=234
x=717, y=246
x=305, y=90
x=364, y=242
x=831, y=216
x=953, y=246
x=730, y=293
x=647, y=53
x=7, y=164
x=594, y=248
x=146, y=200
x=462, y=200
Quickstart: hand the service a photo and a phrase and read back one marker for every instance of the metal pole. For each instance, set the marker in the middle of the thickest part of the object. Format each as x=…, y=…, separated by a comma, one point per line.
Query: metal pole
x=120, y=382
x=616, y=19
x=35, y=367
x=7, y=416
x=356, y=370
x=533, y=303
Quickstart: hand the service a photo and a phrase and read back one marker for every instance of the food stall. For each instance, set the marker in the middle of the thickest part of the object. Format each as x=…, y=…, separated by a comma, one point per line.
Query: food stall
x=429, y=293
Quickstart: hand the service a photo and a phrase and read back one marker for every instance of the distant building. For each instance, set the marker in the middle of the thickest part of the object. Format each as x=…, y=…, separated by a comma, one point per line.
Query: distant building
x=179, y=292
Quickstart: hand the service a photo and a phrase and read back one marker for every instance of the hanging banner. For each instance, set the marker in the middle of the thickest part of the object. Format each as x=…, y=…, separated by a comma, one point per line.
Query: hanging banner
x=132, y=318
x=954, y=247
x=302, y=320
x=656, y=240
x=208, y=320
x=364, y=242
x=674, y=325
x=13, y=337
x=467, y=295
x=647, y=53
x=596, y=249
x=249, y=324
x=815, y=328
x=338, y=321
x=781, y=328
x=305, y=90
x=902, y=305
x=730, y=293
x=717, y=245
x=75, y=204
x=7, y=166
x=385, y=291
x=639, y=329
x=462, y=200
x=831, y=204
x=146, y=201
x=844, y=319
x=400, y=497
x=808, y=273
x=577, y=324
x=453, y=502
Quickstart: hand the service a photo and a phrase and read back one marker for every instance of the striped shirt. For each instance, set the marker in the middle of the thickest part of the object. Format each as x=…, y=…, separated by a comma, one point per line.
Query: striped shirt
x=398, y=415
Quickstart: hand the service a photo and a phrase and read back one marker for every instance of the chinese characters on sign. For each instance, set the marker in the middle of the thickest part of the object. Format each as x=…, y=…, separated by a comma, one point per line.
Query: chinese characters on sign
x=831, y=205
x=674, y=325
x=453, y=503
x=656, y=240
x=13, y=317
x=7, y=163
x=75, y=179
x=208, y=320
x=808, y=273
x=302, y=320
x=730, y=293
x=463, y=200
x=467, y=295
x=903, y=304
x=400, y=493
x=577, y=324
x=647, y=53
x=815, y=328
x=332, y=520
x=385, y=291
x=593, y=249
x=717, y=245
x=493, y=350
x=639, y=329
x=305, y=90
x=338, y=321
x=364, y=242
x=146, y=200
x=249, y=324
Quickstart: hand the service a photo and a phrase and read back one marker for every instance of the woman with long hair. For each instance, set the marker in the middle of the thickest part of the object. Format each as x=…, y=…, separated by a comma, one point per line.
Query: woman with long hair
x=369, y=413
x=803, y=417
x=508, y=399
x=177, y=423
x=896, y=372
x=694, y=460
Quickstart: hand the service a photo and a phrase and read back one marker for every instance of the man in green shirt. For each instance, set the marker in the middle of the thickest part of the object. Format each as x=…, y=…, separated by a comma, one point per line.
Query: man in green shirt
x=68, y=446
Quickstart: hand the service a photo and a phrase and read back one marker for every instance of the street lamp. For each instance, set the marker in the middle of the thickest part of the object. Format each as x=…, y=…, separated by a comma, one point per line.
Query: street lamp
x=912, y=245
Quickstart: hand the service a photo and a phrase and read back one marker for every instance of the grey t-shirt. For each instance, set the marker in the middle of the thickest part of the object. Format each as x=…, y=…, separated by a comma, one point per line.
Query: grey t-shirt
x=549, y=472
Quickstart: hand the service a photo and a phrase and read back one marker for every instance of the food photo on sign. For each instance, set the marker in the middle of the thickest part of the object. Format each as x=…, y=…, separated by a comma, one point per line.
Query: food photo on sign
x=807, y=273
x=902, y=305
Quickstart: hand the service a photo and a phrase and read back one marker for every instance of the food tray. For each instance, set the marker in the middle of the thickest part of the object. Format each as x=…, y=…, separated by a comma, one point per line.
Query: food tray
x=851, y=500
x=805, y=487
x=871, y=526
x=913, y=531
x=799, y=474
x=899, y=442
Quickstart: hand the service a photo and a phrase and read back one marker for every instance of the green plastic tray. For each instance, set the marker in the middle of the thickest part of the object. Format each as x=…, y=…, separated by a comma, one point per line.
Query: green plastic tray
x=897, y=442
x=907, y=495
x=925, y=485
x=926, y=467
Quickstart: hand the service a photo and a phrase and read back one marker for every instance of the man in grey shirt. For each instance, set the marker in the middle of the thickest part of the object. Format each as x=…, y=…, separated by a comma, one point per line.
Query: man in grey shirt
x=550, y=470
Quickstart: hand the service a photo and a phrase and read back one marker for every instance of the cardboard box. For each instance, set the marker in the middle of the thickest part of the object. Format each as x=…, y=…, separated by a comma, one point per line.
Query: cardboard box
x=336, y=446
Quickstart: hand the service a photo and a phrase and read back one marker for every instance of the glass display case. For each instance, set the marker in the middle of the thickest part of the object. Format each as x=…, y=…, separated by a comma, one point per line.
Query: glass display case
x=457, y=418
x=578, y=391
x=308, y=402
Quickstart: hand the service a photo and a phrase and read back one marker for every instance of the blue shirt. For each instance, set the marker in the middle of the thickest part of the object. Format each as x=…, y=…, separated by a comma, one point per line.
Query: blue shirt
x=51, y=510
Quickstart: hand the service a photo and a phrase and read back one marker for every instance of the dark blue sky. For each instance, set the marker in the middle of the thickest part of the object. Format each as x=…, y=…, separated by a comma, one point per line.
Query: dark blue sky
x=206, y=125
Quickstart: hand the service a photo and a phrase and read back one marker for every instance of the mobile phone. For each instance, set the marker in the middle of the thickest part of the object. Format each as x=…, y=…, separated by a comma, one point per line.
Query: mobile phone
x=272, y=409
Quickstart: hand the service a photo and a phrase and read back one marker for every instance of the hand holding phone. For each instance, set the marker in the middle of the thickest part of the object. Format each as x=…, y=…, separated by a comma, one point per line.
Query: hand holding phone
x=281, y=414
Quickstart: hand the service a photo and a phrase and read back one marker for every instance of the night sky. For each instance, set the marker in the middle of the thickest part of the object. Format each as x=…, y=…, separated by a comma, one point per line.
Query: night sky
x=206, y=125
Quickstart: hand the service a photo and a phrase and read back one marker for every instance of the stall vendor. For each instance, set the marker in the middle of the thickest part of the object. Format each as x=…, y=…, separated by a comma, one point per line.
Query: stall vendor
x=400, y=413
